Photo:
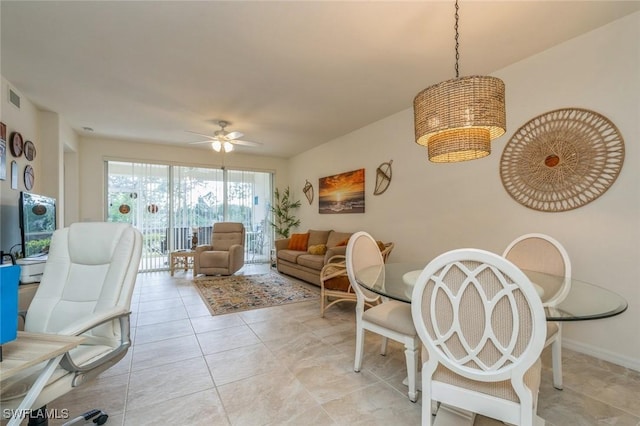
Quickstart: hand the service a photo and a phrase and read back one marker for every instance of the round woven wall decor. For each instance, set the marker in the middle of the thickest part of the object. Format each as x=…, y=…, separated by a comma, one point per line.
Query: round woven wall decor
x=562, y=160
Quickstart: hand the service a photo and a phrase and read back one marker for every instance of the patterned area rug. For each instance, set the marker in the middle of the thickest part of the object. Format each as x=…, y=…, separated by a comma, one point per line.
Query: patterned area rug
x=224, y=295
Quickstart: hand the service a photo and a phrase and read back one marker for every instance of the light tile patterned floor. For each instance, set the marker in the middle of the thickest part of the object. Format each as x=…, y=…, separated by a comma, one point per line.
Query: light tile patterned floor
x=286, y=365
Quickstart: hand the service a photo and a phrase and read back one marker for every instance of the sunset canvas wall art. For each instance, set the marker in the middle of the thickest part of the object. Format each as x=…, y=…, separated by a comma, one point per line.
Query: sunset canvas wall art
x=342, y=193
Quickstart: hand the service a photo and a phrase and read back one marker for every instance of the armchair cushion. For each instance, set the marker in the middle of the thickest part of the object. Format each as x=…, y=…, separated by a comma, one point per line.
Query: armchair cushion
x=214, y=259
x=339, y=283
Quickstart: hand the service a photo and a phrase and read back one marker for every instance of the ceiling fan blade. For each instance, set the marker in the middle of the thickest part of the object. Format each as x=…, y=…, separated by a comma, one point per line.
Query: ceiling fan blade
x=233, y=135
x=211, y=138
x=245, y=143
x=201, y=142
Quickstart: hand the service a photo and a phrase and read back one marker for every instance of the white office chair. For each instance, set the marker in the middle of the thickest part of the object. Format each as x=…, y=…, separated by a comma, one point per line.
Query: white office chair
x=390, y=319
x=86, y=290
x=483, y=326
x=542, y=253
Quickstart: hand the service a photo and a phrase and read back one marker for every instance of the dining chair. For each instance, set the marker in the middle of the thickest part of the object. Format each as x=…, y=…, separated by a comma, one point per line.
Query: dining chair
x=542, y=253
x=483, y=326
x=390, y=319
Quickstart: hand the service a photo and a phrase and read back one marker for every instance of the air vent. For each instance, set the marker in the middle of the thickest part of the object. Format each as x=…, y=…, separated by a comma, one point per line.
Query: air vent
x=14, y=98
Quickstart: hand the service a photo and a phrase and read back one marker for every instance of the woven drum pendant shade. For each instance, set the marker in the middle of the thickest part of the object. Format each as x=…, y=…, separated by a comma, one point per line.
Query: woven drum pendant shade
x=457, y=119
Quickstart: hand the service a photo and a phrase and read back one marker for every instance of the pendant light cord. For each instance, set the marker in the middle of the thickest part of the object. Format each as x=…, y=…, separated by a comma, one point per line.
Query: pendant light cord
x=457, y=35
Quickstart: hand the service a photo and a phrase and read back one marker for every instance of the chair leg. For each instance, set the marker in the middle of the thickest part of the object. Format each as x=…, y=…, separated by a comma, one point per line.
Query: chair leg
x=322, y=304
x=359, y=348
x=39, y=417
x=429, y=407
x=556, y=360
x=383, y=347
x=411, y=355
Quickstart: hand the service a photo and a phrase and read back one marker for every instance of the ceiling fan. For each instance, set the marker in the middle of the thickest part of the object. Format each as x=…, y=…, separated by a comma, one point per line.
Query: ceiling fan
x=223, y=140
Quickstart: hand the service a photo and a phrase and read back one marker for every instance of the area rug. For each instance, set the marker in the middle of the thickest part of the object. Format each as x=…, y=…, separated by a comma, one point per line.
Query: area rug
x=224, y=295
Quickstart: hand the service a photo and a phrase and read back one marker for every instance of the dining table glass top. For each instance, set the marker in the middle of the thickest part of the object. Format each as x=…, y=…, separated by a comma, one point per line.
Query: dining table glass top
x=582, y=301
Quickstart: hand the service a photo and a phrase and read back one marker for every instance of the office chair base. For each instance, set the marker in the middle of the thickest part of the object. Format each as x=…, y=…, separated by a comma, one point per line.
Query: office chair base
x=100, y=418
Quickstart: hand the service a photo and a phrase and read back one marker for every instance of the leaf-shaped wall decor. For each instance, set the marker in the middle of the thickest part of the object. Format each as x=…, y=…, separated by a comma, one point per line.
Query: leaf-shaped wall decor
x=308, y=191
x=383, y=177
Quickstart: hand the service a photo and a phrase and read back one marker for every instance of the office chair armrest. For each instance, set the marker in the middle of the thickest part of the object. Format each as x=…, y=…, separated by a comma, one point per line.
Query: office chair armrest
x=125, y=342
x=85, y=325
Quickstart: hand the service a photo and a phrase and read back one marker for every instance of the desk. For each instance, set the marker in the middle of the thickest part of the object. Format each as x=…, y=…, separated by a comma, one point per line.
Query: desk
x=30, y=349
x=584, y=301
x=181, y=259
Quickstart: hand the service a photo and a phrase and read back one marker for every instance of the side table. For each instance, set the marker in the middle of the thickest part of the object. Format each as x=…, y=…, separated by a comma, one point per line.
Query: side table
x=181, y=259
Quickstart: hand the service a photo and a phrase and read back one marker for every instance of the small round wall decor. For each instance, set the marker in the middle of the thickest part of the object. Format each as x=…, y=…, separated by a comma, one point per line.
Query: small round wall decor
x=29, y=177
x=562, y=160
x=29, y=150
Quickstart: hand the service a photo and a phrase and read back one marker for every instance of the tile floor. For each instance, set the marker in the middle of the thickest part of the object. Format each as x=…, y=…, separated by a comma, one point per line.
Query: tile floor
x=286, y=365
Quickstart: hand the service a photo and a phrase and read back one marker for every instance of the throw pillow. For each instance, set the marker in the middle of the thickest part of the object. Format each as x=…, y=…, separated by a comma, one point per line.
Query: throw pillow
x=343, y=242
x=317, y=249
x=299, y=242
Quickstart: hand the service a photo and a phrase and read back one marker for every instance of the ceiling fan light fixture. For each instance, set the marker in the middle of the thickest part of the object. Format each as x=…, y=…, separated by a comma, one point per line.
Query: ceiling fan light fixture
x=216, y=145
x=228, y=147
x=457, y=119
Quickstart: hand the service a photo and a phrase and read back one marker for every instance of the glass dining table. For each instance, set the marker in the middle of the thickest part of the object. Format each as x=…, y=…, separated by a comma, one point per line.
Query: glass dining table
x=583, y=300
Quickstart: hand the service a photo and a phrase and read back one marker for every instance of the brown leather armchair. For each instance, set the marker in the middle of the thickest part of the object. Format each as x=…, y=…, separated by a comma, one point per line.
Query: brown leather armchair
x=225, y=255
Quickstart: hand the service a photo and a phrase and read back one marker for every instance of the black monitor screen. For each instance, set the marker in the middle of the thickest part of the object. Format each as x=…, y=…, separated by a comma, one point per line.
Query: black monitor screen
x=37, y=223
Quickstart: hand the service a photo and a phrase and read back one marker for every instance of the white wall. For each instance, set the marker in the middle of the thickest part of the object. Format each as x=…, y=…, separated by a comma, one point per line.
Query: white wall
x=25, y=121
x=430, y=208
x=95, y=151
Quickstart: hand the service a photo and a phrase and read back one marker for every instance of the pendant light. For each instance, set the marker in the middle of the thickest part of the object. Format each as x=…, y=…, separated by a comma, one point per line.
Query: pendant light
x=457, y=119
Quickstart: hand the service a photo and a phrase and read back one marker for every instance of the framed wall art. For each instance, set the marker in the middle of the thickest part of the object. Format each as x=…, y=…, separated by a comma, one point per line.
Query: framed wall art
x=14, y=174
x=3, y=151
x=342, y=193
x=3, y=159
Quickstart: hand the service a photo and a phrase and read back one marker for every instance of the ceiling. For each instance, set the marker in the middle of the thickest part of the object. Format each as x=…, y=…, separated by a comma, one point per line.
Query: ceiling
x=290, y=75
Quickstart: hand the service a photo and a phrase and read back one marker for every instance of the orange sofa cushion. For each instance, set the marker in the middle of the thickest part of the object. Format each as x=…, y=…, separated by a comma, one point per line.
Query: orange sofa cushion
x=299, y=242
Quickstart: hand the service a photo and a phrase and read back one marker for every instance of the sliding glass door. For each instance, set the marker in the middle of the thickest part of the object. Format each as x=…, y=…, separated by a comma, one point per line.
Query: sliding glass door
x=137, y=193
x=175, y=207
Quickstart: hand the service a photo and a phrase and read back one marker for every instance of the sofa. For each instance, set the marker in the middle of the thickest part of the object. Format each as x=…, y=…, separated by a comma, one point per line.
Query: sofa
x=303, y=255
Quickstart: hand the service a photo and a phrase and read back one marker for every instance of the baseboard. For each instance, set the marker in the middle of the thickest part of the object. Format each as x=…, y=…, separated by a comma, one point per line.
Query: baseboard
x=615, y=358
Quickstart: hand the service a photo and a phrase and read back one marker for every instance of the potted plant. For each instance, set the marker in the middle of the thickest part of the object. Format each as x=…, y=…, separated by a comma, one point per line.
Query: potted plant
x=283, y=218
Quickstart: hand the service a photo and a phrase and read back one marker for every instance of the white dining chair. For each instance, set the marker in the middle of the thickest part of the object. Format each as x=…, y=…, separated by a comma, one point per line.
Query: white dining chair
x=483, y=326
x=541, y=253
x=390, y=319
